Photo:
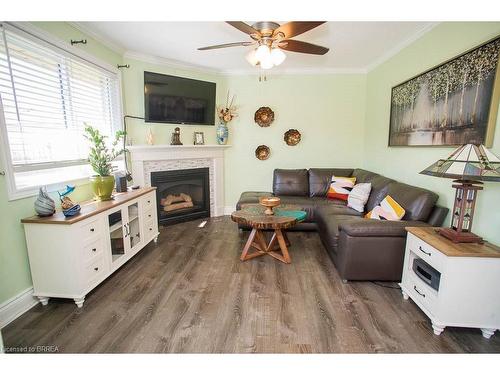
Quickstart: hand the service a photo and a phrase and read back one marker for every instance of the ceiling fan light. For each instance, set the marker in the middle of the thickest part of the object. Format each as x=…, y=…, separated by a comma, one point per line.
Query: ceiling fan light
x=277, y=56
x=262, y=52
x=251, y=58
x=266, y=63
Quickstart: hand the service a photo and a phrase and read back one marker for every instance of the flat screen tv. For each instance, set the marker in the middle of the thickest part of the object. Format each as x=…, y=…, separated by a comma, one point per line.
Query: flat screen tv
x=177, y=100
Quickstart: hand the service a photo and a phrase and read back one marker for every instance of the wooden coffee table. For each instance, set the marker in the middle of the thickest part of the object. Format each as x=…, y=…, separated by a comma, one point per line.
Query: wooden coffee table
x=253, y=216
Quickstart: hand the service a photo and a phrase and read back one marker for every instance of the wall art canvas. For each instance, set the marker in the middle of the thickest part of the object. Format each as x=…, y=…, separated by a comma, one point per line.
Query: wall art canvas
x=452, y=104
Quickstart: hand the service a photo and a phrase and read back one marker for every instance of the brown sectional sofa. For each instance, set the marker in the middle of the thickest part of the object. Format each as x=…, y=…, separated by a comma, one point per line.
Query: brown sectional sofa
x=361, y=249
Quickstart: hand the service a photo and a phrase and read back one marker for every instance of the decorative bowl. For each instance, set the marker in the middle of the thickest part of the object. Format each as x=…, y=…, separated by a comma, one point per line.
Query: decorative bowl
x=269, y=203
x=262, y=152
x=264, y=116
x=292, y=137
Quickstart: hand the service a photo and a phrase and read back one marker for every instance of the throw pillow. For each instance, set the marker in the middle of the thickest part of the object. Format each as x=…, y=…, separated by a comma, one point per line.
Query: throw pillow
x=388, y=209
x=340, y=187
x=359, y=196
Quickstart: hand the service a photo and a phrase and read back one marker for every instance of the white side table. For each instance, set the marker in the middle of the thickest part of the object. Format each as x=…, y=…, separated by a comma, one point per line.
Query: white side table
x=455, y=285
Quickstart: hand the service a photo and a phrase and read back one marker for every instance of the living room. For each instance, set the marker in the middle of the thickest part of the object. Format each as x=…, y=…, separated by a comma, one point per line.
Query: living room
x=342, y=149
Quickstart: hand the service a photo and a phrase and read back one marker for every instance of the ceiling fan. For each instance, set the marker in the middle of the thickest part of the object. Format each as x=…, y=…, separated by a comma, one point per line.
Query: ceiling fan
x=270, y=38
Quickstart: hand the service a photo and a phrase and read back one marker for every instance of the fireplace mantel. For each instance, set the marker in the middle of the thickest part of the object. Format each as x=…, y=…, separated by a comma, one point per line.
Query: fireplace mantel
x=146, y=159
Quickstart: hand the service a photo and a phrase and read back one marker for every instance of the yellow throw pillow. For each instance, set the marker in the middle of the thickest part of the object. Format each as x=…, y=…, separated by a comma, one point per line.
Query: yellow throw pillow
x=340, y=187
x=388, y=209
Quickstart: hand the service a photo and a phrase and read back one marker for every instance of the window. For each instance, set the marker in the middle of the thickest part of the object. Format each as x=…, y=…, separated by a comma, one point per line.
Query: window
x=47, y=95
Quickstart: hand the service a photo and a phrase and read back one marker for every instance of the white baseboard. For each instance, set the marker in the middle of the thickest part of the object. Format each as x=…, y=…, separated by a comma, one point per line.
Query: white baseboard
x=16, y=306
x=228, y=210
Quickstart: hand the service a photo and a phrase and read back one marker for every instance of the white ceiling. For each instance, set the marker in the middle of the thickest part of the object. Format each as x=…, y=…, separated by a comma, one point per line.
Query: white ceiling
x=354, y=46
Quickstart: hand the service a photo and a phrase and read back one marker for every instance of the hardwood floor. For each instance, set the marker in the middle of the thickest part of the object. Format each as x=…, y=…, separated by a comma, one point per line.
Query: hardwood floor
x=192, y=294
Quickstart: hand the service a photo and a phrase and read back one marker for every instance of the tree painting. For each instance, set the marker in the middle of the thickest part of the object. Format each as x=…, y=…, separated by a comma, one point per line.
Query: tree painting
x=449, y=104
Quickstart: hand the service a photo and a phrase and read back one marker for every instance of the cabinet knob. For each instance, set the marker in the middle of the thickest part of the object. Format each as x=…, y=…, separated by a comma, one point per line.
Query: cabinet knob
x=150, y=228
x=94, y=249
x=91, y=229
x=96, y=268
x=149, y=201
x=149, y=215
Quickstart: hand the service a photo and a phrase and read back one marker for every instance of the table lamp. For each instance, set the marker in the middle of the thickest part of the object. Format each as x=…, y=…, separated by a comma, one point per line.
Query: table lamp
x=468, y=165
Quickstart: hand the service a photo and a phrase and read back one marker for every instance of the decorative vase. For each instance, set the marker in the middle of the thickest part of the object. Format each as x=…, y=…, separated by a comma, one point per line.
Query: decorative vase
x=102, y=186
x=44, y=205
x=222, y=133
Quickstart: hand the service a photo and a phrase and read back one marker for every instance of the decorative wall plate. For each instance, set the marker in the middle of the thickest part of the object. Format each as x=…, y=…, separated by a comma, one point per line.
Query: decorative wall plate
x=264, y=116
x=262, y=152
x=292, y=137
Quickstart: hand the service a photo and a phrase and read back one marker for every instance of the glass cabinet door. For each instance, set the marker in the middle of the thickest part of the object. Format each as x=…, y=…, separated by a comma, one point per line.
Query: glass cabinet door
x=133, y=226
x=117, y=234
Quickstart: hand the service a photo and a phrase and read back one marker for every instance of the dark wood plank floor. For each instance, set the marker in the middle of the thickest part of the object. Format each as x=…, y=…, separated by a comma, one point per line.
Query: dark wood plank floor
x=190, y=293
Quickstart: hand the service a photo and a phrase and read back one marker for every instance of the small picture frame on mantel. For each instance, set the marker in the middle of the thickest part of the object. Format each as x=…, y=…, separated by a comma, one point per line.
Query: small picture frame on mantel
x=199, y=138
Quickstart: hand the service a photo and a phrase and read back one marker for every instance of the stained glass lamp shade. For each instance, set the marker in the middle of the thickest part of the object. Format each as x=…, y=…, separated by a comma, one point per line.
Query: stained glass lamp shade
x=468, y=165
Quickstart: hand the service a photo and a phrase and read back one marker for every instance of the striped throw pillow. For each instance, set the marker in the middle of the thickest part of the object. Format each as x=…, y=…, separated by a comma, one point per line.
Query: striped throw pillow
x=340, y=187
x=388, y=209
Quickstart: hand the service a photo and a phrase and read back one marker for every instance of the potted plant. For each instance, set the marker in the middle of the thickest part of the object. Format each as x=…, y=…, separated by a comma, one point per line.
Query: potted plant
x=100, y=158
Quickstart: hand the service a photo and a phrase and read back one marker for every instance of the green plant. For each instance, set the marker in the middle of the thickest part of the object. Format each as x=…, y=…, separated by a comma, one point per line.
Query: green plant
x=100, y=157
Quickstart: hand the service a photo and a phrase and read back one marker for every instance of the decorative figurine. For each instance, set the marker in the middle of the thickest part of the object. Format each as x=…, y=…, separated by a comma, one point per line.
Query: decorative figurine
x=67, y=205
x=44, y=205
x=176, y=137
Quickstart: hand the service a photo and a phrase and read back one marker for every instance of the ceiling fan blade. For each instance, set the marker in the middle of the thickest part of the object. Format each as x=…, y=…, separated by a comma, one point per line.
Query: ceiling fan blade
x=294, y=28
x=242, y=26
x=237, y=44
x=302, y=47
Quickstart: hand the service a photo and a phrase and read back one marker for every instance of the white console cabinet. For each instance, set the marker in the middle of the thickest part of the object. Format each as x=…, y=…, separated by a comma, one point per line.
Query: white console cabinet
x=70, y=256
x=453, y=284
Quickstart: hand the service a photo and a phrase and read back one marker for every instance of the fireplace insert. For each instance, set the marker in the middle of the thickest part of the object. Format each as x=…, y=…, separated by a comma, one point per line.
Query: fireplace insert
x=182, y=195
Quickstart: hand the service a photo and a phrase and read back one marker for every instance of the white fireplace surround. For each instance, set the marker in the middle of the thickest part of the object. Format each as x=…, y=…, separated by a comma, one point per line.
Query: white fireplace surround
x=146, y=159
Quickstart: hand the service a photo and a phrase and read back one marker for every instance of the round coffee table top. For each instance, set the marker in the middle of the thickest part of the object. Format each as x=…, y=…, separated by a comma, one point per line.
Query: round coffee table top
x=285, y=216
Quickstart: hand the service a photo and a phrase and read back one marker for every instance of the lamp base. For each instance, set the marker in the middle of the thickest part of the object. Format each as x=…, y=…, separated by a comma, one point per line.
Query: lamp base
x=459, y=237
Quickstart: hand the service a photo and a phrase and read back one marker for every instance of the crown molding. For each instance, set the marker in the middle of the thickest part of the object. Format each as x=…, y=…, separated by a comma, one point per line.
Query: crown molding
x=80, y=26
x=176, y=64
x=400, y=46
x=171, y=63
x=293, y=71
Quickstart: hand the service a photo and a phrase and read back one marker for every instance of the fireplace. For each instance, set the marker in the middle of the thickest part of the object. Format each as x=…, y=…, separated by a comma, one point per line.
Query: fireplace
x=182, y=195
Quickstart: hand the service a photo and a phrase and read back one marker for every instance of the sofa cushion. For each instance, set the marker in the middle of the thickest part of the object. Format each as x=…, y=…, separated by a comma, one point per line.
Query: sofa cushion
x=380, y=188
x=328, y=224
x=319, y=179
x=252, y=197
x=417, y=202
x=378, y=228
x=363, y=175
x=291, y=182
x=336, y=209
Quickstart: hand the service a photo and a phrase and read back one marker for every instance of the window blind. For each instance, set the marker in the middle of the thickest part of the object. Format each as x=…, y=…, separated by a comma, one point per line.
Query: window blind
x=48, y=94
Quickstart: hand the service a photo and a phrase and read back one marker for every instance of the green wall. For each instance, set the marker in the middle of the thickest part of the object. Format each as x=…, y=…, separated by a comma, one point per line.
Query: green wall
x=404, y=163
x=14, y=267
x=328, y=110
x=344, y=121
x=133, y=88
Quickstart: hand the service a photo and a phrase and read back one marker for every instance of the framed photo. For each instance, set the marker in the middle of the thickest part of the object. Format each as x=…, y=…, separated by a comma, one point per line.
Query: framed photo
x=199, y=138
x=451, y=104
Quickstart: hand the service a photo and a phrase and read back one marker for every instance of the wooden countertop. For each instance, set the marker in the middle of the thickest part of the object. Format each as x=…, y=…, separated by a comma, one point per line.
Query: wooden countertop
x=89, y=208
x=451, y=249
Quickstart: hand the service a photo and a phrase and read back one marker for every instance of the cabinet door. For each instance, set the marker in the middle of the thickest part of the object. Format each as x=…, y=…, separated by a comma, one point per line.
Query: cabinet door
x=134, y=227
x=117, y=228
